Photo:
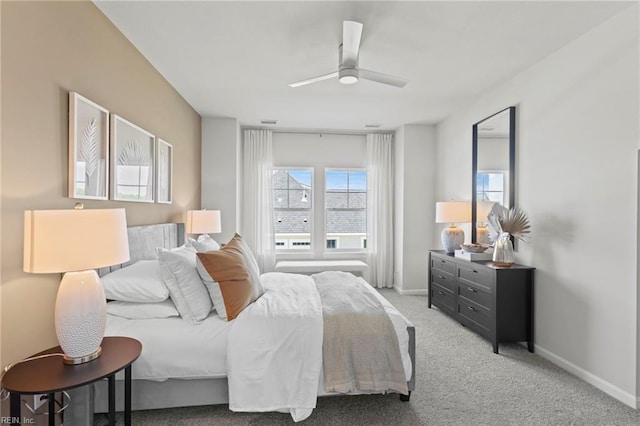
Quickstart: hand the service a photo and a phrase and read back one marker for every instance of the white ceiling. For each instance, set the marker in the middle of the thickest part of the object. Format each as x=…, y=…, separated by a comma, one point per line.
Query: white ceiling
x=235, y=59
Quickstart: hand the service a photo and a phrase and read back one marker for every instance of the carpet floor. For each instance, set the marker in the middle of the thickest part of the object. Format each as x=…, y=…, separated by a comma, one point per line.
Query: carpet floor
x=459, y=381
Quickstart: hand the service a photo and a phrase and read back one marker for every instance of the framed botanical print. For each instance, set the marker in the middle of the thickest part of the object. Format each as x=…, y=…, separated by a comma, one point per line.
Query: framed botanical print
x=164, y=171
x=132, y=159
x=88, y=149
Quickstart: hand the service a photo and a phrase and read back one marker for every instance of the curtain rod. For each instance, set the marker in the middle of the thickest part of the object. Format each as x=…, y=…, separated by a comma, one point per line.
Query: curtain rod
x=318, y=131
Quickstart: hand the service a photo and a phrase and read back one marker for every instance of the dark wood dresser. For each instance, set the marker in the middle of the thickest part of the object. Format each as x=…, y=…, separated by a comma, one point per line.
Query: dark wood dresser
x=495, y=302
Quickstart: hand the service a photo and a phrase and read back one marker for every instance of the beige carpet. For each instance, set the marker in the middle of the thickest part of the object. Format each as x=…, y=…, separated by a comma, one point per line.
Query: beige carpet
x=459, y=381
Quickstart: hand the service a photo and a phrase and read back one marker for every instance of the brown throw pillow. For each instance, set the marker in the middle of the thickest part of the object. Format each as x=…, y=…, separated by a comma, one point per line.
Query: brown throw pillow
x=231, y=268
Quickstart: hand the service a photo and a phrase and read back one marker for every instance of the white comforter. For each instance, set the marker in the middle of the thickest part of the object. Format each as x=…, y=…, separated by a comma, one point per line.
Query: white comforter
x=274, y=350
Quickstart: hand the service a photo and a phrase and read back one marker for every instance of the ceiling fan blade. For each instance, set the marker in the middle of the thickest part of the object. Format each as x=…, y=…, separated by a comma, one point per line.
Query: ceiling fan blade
x=351, y=35
x=314, y=79
x=382, y=78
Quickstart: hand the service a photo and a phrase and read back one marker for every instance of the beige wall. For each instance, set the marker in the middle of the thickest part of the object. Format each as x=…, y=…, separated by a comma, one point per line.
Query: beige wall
x=49, y=49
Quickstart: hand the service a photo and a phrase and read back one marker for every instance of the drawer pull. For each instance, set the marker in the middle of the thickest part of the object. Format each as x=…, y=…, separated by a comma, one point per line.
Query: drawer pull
x=472, y=290
x=474, y=271
x=441, y=293
x=471, y=308
x=441, y=277
x=442, y=261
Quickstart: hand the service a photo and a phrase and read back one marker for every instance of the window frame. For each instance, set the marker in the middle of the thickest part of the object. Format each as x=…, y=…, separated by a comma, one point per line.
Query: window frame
x=300, y=250
x=331, y=236
x=505, y=183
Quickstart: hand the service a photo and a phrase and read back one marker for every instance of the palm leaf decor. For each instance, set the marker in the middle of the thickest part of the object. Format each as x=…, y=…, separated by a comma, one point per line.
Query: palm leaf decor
x=132, y=154
x=514, y=221
x=89, y=148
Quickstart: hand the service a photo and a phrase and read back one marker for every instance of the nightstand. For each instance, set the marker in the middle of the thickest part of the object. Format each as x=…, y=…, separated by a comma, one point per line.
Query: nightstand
x=49, y=375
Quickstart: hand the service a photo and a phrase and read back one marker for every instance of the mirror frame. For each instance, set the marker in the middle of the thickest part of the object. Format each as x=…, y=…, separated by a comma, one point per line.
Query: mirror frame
x=512, y=165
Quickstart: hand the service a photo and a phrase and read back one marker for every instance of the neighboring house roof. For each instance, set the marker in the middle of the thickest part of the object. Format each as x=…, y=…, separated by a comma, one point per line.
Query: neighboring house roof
x=289, y=194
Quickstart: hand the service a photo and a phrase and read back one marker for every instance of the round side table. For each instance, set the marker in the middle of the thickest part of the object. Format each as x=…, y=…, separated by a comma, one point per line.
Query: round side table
x=50, y=375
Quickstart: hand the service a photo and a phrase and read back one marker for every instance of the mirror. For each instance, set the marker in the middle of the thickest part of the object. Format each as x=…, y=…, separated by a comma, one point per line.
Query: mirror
x=493, y=169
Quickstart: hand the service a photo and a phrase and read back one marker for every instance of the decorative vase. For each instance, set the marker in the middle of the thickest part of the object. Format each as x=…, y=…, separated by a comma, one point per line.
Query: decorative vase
x=503, y=251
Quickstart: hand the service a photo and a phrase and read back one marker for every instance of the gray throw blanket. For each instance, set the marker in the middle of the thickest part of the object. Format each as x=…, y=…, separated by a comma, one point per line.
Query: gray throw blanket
x=360, y=349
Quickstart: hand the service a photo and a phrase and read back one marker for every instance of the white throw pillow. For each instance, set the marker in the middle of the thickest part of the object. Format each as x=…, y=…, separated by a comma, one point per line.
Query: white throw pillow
x=204, y=243
x=186, y=289
x=132, y=310
x=213, y=288
x=185, y=250
x=139, y=282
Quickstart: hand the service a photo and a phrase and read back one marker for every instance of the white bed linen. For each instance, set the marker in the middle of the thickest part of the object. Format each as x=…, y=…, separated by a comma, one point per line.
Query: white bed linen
x=274, y=352
x=173, y=348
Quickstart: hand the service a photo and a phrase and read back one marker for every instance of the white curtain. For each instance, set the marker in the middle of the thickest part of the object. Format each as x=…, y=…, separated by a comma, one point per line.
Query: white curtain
x=380, y=209
x=257, y=202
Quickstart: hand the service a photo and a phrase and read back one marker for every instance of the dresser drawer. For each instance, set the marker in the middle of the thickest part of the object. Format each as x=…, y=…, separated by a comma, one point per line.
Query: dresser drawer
x=443, y=298
x=443, y=264
x=475, y=294
x=444, y=279
x=479, y=315
x=475, y=274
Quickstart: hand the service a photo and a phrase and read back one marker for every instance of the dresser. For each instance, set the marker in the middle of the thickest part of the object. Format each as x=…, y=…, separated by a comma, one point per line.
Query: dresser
x=495, y=302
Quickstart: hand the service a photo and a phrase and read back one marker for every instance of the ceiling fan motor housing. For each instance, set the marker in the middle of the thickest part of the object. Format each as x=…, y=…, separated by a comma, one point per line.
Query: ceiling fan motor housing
x=347, y=70
x=348, y=75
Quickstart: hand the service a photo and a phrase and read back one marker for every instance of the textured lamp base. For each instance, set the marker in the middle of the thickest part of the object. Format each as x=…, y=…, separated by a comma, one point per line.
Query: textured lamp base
x=482, y=235
x=82, y=359
x=80, y=316
x=452, y=237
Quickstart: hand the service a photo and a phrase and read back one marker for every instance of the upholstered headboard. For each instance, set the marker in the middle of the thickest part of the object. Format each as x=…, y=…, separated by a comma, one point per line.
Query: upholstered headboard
x=144, y=241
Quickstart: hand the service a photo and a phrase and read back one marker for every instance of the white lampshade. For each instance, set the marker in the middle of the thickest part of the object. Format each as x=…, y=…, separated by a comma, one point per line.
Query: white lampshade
x=453, y=212
x=482, y=210
x=203, y=222
x=76, y=241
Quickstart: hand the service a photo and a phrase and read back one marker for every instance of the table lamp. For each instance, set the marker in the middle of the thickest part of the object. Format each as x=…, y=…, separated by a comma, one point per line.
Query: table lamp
x=203, y=222
x=482, y=211
x=75, y=242
x=451, y=212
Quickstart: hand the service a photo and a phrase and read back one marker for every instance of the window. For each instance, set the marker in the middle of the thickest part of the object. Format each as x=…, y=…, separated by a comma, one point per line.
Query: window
x=490, y=187
x=292, y=208
x=345, y=208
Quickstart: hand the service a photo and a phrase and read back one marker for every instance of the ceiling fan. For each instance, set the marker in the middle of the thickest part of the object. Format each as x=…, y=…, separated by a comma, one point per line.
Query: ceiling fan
x=348, y=70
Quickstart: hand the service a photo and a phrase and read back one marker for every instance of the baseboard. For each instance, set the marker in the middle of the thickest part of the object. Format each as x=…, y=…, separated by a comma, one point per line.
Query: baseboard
x=414, y=292
x=608, y=388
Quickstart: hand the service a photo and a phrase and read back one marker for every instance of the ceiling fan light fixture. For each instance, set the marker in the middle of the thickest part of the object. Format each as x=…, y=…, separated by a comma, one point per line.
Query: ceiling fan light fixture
x=348, y=76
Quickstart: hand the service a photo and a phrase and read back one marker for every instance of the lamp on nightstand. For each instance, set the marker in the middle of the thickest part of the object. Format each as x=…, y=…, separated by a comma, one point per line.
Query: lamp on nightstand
x=203, y=222
x=452, y=212
x=75, y=242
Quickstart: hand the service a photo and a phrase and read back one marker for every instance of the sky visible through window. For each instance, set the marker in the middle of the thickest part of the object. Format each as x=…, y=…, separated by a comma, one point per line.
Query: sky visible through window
x=337, y=180
x=302, y=176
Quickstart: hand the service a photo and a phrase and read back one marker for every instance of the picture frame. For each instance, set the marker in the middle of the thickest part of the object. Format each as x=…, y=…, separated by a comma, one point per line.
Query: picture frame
x=132, y=160
x=164, y=171
x=88, y=149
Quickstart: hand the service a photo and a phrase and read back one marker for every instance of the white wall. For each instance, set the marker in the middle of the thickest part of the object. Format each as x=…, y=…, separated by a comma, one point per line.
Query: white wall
x=576, y=178
x=414, y=222
x=220, y=174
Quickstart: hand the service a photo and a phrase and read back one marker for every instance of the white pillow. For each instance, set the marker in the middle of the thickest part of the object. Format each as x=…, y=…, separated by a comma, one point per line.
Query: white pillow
x=187, y=291
x=132, y=310
x=185, y=250
x=204, y=244
x=139, y=282
x=213, y=288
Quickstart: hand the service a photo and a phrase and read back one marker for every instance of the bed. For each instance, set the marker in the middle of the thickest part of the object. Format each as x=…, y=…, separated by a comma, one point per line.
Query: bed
x=176, y=369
